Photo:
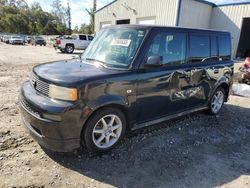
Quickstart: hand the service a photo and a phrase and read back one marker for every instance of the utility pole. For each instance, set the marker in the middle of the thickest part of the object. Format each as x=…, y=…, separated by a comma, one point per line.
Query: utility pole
x=94, y=9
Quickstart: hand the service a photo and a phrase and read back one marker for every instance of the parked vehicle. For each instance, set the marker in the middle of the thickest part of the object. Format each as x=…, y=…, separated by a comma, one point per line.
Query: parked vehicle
x=16, y=40
x=37, y=41
x=1, y=38
x=130, y=76
x=27, y=39
x=69, y=43
x=245, y=72
x=6, y=39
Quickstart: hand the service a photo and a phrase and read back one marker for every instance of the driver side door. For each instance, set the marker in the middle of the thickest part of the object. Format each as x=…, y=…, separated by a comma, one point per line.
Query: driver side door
x=161, y=90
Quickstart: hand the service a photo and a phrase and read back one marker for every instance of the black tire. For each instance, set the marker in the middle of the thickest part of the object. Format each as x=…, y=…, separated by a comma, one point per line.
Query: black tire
x=69, y=48
x=88, y=135
x=211, y=108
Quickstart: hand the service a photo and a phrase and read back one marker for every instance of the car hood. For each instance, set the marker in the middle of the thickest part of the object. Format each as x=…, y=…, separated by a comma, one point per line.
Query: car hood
x=71, y=72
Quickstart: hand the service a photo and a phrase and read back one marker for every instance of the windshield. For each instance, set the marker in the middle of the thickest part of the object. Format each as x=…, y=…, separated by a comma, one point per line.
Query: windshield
x=16, y=37
x=114, y=47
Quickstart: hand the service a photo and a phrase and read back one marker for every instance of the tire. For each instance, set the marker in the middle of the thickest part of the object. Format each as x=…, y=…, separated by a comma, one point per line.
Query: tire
x=69, y=49
x=217, y=101
x=97, y=137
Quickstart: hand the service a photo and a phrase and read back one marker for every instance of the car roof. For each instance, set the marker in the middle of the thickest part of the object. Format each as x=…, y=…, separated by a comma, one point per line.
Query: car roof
x=142, y=26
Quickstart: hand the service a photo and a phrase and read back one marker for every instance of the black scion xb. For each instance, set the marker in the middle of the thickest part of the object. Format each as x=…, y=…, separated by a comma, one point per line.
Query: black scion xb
x=130, y=76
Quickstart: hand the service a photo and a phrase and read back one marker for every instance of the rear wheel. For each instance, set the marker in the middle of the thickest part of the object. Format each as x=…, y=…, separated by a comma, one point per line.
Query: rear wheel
x=69, y=48
x=217, y=101
x=104, y=130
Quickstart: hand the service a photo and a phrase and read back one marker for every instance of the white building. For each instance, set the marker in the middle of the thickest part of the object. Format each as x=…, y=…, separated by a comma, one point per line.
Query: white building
x=234, y=17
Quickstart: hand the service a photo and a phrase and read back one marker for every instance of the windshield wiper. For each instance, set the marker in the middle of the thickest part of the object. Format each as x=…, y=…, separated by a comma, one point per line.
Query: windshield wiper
x=99, y=61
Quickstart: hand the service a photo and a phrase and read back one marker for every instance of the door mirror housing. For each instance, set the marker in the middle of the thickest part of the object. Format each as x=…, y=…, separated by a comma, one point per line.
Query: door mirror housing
x=154, y=61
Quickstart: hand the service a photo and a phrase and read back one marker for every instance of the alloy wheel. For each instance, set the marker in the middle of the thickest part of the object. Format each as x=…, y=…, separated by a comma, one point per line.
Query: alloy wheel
x=217, y=101
x=107, y=131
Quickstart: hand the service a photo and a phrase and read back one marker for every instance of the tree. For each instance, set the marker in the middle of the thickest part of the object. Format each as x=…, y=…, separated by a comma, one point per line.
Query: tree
x=68, y=16
x=16, y=17
x=91, y=13
x=59, y=11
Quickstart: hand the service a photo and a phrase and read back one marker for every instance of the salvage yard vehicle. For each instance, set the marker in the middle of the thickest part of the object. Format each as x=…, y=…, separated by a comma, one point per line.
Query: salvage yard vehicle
x=16, y=40
x=245, y=72
x=27, y=39
x=37, y=41
x=70, y=43
x=130, y=76
x=6, y=39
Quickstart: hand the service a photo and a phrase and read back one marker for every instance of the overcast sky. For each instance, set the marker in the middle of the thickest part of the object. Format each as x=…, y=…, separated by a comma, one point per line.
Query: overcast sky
x=79, y=15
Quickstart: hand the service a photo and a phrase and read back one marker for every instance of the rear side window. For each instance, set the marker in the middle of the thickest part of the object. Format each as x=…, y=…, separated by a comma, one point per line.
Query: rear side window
x=82, y=37
x=199, y=48
x=171, y=47
x=90, y=37
x=224, y=48
x=214, y=47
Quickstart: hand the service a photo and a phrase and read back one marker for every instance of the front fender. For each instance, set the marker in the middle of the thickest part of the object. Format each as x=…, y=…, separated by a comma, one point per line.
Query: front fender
x=109, y=100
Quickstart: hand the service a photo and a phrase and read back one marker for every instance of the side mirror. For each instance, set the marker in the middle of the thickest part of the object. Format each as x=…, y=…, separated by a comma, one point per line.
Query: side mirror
x=154, y=61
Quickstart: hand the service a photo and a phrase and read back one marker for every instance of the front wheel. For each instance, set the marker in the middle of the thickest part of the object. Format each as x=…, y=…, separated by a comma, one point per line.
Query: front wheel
x=217, y=101
x=104, y=130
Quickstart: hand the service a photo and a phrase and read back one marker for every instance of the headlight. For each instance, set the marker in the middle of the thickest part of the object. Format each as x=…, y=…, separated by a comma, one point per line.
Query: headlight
x=57, y=92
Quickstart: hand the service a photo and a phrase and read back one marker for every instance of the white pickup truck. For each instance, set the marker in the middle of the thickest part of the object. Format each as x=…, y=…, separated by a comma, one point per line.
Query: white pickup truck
x=68, y=44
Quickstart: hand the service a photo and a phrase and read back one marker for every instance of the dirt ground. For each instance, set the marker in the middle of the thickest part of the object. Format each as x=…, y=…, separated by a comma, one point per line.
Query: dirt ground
x=194, y=151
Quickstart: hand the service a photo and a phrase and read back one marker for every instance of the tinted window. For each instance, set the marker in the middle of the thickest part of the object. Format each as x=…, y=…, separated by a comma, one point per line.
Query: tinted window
x=170, y=46
x=199, y=48
x=214, y=47
x=224, y=48
x=90, y=37
x=82, y=37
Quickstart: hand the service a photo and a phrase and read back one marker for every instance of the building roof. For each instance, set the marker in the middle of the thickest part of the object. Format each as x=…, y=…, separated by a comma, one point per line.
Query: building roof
x=214, y=3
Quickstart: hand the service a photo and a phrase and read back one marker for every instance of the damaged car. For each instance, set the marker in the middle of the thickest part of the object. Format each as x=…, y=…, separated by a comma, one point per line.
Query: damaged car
x=129, y=77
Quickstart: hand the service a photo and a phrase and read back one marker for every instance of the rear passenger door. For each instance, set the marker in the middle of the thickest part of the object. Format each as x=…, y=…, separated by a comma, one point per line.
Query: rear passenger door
x=207, y=66
x=83, y=41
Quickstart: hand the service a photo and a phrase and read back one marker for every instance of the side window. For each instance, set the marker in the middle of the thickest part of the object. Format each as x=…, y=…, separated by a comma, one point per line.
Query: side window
x=82, y=37
x=214, y=47
x=199, y=48
x=170, y=46
x=90, y=37
x=224, y=48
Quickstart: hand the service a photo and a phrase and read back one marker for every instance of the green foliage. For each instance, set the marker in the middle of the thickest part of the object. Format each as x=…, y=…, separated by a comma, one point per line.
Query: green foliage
x=17, y=17
x=84, y=29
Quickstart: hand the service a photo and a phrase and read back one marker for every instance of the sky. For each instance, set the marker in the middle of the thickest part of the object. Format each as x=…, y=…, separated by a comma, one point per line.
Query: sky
x=79, y=14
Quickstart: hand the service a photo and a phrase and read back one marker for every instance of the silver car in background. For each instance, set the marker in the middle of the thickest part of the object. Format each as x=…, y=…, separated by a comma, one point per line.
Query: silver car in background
x=16, y=40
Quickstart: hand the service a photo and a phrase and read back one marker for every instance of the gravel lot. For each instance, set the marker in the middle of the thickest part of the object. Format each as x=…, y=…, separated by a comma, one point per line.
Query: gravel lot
x=194, y=151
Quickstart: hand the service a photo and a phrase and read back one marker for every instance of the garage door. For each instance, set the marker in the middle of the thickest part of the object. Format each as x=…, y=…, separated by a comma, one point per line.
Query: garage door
x=146, y=21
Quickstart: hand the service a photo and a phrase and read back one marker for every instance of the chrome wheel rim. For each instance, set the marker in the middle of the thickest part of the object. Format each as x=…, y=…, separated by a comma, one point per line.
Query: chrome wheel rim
x=107, y=131
x=217, y=101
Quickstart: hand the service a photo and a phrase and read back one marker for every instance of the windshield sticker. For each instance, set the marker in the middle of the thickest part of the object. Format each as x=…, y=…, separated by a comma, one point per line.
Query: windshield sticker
x=121, y=42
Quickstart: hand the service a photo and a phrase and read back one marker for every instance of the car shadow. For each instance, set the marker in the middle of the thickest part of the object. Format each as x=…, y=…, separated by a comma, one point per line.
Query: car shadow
x=198, y=150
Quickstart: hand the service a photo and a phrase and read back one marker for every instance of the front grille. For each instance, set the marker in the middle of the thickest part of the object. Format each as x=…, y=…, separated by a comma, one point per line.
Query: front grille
x=28, y=107
x=39, y=85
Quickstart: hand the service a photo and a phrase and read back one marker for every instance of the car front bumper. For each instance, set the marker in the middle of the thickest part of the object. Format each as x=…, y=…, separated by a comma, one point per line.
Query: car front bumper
x=60, y=135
